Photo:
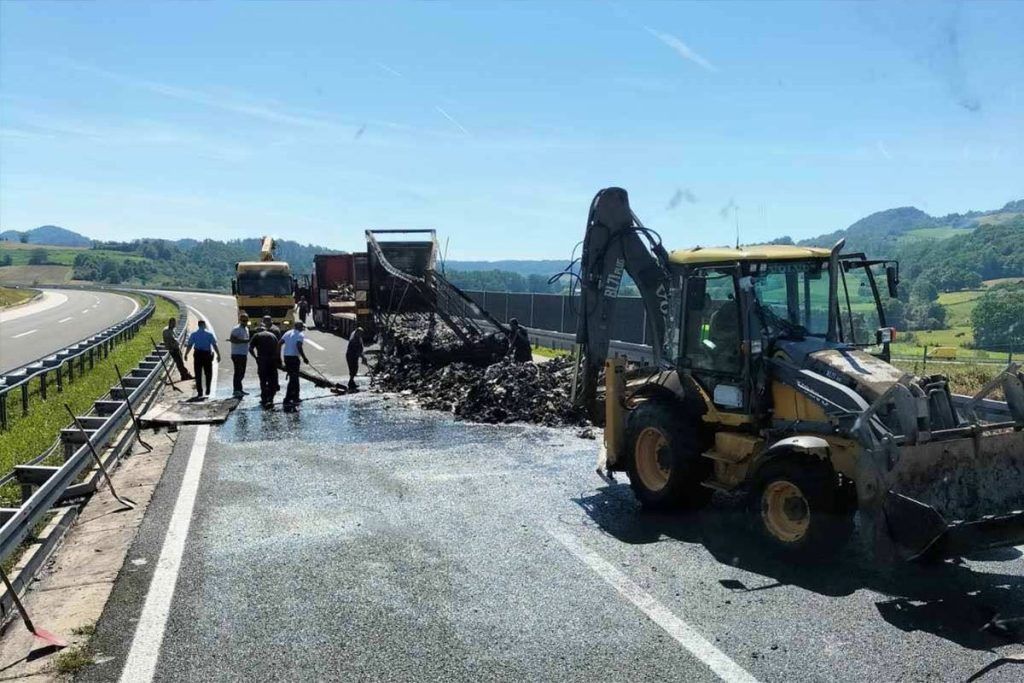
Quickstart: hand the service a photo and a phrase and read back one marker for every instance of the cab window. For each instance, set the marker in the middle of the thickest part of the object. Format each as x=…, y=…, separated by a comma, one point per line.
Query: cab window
x=713, y=327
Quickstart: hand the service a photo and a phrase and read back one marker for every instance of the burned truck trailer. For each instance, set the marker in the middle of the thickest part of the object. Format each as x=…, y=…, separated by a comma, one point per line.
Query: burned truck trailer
x=339, y=292
x=390, y=265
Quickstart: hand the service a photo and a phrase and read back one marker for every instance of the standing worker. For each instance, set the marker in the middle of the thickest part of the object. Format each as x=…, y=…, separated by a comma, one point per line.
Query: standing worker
x=291, y=346
x=264, y=348
x=303, y=310
x=174, y=349
x=353, y=352
x=205, y=345
x=268, y=323
x=239, y=349
x=519, y=342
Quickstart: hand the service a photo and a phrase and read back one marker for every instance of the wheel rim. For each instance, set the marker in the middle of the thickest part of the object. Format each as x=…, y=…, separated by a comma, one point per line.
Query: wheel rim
x=653, y=459
x=785, y=511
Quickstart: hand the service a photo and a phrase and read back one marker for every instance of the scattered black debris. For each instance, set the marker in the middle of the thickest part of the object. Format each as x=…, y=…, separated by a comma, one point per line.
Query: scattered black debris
x=424, y=361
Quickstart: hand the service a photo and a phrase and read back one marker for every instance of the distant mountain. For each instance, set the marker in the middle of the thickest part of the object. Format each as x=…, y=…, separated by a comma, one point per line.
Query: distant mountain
x=51, y=235
x=523, y=267
x=882, y=233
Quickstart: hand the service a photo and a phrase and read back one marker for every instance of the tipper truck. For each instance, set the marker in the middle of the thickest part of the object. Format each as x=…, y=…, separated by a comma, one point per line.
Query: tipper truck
x=772, y=380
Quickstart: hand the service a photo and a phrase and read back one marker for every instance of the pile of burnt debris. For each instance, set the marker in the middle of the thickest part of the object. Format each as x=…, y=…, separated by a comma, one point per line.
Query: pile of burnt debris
x=428, y=365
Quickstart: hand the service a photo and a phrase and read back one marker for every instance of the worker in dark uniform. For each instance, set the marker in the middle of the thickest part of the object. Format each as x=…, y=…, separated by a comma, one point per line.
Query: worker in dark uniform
x=519, y=342
x=263, y=347
x=303, y=310
x=174, y=349
x=353, y=353
x=268, y=323
x=291, y=348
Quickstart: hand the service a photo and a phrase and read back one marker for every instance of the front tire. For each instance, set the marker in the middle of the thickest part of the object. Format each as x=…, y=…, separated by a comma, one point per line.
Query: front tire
x=665, y=464
x=799, y=508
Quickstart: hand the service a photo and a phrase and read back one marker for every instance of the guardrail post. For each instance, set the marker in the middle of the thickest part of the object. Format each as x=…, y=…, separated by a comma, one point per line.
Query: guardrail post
x=3, y=412
x=71, y=370
x=24, y=399
x=60, y=379
x=42, y=388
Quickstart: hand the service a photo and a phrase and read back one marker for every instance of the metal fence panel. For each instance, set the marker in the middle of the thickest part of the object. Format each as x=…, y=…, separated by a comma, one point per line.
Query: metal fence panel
x=496, y=303
x=477, y=297
x=519, y=307
x=572, y=308
x=547, y=312
x=628, y=325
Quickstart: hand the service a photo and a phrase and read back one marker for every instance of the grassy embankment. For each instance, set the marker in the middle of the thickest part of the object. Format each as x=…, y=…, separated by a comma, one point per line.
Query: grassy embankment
x=31, y=435
x=11, y=297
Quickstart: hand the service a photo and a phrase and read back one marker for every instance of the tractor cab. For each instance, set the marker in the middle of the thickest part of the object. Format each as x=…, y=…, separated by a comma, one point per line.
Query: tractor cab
x=729, y=309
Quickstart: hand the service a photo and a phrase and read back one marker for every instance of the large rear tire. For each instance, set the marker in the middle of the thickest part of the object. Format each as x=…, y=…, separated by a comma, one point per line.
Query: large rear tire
x=799, y=508
x=665, y=464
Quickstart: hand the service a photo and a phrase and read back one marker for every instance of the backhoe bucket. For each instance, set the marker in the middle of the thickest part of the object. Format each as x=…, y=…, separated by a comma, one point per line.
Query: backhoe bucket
x=950, y=496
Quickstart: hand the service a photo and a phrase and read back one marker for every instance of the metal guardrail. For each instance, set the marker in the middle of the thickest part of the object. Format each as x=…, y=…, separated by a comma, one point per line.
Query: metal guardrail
x=63, y=361
x=45, y=487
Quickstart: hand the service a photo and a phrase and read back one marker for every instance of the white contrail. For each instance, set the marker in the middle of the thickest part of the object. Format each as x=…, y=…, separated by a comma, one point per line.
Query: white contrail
x=452, y=119
x=385, y=67
x=684, y=50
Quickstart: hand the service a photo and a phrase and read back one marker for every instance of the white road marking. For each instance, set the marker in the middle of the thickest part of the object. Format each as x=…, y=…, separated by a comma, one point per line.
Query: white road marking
x=149, y=632
x=314, y=344
x=684, y=634
x=85, y=310
x=64, y=320
x=24, y=334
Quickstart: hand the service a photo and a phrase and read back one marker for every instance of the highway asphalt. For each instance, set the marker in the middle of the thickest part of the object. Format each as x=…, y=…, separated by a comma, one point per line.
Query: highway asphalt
x=60, y=318
x=364, y=539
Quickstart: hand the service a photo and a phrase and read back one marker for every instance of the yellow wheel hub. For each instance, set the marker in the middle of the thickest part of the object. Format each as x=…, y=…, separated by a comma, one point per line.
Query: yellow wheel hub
x=785, y=511
x=653, y=459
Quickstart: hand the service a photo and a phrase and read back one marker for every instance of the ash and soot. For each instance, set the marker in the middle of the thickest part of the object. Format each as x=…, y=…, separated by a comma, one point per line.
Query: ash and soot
x=424, y=363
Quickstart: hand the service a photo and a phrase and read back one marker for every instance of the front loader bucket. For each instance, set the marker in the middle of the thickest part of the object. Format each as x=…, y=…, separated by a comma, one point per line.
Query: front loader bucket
x=952, y=495
x=920, y=531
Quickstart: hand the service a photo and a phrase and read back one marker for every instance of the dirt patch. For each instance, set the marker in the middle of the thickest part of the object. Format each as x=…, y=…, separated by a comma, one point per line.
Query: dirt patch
x=33, y=275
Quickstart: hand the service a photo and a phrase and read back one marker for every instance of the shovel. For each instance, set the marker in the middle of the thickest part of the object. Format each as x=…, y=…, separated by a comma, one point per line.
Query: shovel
x=42, y=636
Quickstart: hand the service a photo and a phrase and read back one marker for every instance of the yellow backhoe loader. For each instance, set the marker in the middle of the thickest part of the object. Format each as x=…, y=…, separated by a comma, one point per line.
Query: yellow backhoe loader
x=771, y=378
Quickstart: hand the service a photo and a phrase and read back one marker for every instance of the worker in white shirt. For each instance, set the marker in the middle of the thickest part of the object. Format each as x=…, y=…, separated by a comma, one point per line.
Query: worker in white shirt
x=291, y=349
x=239, y=352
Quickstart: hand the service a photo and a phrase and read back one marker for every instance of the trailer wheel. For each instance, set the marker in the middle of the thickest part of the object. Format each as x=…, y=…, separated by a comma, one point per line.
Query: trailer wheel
x=665, y=464
x=799, y=508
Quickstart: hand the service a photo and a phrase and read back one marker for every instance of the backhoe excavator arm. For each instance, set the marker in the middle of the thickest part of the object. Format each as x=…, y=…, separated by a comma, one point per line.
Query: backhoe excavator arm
x=615, y=242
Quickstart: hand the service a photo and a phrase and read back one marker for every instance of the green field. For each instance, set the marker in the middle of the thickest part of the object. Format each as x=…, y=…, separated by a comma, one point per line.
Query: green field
x=11, y=297
x=62, y=256
x=964, y=378
x=1004, y=281
x=935, y=233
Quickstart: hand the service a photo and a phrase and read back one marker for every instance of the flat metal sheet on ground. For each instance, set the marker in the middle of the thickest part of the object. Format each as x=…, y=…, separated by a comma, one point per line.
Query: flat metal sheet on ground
x=188, y=412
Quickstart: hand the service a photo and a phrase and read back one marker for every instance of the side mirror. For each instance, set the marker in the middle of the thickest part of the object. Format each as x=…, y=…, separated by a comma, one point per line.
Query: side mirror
x=696, y=289
x=234, y=287
x=892, y=278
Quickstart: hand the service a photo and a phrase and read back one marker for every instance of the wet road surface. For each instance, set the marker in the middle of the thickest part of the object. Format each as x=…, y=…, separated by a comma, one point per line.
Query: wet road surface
x=363, y=539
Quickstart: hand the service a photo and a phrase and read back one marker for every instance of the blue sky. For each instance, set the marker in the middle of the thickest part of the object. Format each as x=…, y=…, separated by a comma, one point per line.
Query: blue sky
x=496, y=123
